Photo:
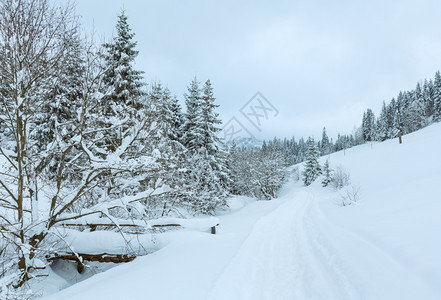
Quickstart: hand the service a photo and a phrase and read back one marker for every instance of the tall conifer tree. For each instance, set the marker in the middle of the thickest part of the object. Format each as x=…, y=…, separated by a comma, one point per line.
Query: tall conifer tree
x=312, y=167
x=122, y=90
x=437, y=97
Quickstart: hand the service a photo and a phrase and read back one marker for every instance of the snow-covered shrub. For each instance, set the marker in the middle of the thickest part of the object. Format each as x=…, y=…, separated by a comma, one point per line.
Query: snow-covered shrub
x=10, y=293
x=257, y=172
x=296, y=174
x=350, y=195
x=340, y=179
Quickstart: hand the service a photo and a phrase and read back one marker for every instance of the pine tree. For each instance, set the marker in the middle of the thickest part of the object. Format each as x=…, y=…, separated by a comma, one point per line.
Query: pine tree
x=119, y=129
x=437, y=97
x=327, y=174
x=58, y=117
x=368, y=125
x=122, y=90
x=302, y=149
x=405, y=112
x=312, y=167
x=417, y=109
x=324, y=145
x=210, y=120
x=206, y=160
x=207, y=190
x=177, y=117
x=382, y=126
x=192, y=135
x=428, y=98
x=211, y=128
x=392, y=120
x=400, y=112
x=119, y=58
x=169, y=153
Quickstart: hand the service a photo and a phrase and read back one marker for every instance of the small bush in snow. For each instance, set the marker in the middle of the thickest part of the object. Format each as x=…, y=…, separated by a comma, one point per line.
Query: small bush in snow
x=350, y=195
x=296, y=174
x=340, y=179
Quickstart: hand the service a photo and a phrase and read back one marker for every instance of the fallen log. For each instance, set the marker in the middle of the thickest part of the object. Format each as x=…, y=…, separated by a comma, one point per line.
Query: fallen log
x=166, y=225
x=93, y=227
x=81, y=257
x=137, y=228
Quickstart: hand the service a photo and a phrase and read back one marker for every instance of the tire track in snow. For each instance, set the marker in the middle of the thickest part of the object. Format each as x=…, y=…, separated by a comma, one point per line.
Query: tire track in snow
x=375, y=272
x=323, y=276
x=281, y=260
x=295, y=252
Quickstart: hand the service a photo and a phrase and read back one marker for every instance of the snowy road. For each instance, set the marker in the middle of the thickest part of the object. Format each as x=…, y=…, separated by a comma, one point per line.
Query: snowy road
x=295, y=252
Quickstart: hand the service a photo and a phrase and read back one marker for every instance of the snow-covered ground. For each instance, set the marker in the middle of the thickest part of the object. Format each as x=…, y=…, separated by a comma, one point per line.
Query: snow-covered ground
x=304, y=245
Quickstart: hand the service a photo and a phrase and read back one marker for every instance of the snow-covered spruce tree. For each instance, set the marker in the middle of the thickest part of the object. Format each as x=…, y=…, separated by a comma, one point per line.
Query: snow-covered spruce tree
x=192, y=135
x=177, y=117
x=405, y=101
x=212, y=141
x=387, y=123
x=121, y=119
x=437, y=97
x=59, y=115
x=207, y=191
x=428, y=98
x=290, y=149
x=327, y=174
x=392, y=119
x=325, y=147
x=207, y=176
x=170, y=154
x=301, y=151
x=123, y=89
x=312, y=167
x=417, y=109
x=382, y=126
x=368, y=125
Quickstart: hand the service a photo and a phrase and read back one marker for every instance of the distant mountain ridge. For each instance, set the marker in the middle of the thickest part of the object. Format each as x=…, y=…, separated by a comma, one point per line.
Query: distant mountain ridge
x=246, y=142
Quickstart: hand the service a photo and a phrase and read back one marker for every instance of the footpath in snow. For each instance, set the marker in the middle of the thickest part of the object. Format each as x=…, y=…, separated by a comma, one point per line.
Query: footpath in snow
x=303, y=245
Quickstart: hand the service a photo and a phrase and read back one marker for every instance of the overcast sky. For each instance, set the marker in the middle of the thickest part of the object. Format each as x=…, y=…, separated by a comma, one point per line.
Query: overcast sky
x=319, y=63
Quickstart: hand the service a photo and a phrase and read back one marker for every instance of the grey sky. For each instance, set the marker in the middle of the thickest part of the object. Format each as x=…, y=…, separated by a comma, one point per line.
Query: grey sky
x=320, y=63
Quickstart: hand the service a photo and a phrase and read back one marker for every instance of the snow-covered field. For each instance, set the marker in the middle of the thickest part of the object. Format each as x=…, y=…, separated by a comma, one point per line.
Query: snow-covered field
x=304, y=245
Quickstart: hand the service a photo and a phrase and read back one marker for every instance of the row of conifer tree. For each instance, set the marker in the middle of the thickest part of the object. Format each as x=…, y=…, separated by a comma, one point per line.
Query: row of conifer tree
x=409, y=111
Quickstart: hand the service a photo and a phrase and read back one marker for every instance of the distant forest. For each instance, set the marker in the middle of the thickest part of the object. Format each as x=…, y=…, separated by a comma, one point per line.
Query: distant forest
x=408, y=112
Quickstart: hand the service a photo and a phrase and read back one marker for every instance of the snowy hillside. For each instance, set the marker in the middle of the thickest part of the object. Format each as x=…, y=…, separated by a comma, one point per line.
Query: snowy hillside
x=304, y=245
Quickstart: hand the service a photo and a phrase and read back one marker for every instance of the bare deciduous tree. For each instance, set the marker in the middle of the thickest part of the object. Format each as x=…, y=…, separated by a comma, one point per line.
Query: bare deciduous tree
x=63, y=168
x=34, y=40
